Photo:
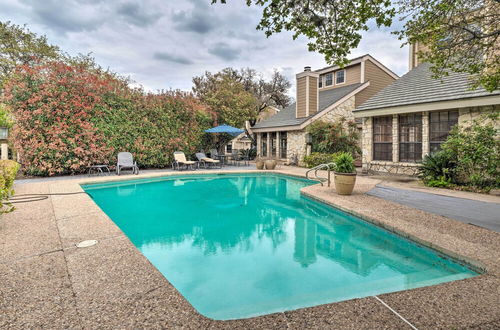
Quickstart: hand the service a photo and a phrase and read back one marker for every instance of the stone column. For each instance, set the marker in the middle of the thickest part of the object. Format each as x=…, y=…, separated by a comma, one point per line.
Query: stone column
x=268, y=145
x=4, y=151
x=366, y=142
x=426, y=147
x=395, y=139
x=259, y=143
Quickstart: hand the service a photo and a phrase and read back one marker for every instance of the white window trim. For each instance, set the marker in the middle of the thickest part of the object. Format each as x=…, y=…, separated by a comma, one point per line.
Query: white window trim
x=345, y=77
x=333, y=79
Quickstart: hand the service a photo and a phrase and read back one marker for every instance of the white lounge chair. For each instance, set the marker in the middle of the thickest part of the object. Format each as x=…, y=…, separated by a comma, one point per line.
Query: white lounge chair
x=206, y=162
x=181, y=161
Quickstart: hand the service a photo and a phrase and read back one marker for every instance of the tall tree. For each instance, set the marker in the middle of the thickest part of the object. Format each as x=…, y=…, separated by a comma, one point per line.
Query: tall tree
x=227, y=98
x=272, y=92
x=459, y=35
x=462, y=35
x=18, y=45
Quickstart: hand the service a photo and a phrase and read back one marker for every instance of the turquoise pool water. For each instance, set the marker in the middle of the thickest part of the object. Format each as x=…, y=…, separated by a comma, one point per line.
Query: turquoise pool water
x=238, y=245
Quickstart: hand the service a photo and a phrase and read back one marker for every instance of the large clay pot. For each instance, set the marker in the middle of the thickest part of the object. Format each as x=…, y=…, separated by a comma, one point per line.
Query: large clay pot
x=344, y=183
x=259, y=164
x=270, y=164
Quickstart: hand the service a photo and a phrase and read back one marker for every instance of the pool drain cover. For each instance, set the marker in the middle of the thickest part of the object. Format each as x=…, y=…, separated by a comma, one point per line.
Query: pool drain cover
x=88, y=243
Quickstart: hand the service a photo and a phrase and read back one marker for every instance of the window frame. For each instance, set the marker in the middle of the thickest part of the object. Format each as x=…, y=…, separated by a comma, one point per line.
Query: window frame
x=411, y=154
x=434, y=144
x=283, y=137
x=345, y=74
x=331, y=74
x=378, y=145
x=274, y=144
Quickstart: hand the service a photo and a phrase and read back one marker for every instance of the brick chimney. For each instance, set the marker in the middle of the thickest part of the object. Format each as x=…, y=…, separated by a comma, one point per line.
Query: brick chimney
x=307, y=93
x=414, y=59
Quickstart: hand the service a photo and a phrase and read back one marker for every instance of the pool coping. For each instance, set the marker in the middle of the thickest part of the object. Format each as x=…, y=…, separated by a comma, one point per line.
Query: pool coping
x=486, y=262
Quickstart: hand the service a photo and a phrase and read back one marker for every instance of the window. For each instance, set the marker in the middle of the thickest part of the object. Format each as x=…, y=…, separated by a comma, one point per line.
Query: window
x=382, y=138
x=263, y=143
x=410, y=137
x=440, y=124
x=320, y=81
x=273, y=144
x=283, y=145
x=329, y=79
x=229, y=148
x=340, y=77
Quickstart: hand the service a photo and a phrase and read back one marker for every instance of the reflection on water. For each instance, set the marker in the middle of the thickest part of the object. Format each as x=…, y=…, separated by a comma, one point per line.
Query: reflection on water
x=243, y=245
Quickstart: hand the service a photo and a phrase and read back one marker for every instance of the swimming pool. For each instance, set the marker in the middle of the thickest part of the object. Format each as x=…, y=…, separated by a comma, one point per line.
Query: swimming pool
x=242, y=245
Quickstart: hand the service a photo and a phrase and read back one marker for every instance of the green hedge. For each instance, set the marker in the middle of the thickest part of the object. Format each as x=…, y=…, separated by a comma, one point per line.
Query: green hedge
x=8, y=171
x=318, y=158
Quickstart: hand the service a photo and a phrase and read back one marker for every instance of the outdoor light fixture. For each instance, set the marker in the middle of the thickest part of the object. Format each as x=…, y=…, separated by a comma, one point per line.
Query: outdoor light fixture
x=4, y=133
x=309, y=138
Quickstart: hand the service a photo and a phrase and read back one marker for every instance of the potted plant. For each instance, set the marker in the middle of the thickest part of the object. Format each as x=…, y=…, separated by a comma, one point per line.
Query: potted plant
x=345, y=173
x=270, y=164
x=259, y=163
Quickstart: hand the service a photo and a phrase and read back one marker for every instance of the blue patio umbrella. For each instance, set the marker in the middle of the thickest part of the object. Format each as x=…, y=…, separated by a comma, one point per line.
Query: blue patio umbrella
x=225, y=129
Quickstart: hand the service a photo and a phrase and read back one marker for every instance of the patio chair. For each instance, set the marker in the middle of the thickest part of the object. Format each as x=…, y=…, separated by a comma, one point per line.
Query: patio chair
x=214, y=154
x=207, y=162
x=181, y=161
x=126, y=161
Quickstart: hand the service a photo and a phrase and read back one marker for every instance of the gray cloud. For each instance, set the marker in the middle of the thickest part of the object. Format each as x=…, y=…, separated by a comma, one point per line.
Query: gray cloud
x=224, y=51
x=137, y=15
x=198, y=19
x=163, y=44
x=172, y=58
x=66, y=16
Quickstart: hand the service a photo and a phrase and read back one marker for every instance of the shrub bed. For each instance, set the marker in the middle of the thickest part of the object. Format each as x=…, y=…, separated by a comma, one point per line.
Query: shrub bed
x=318, y=158
x=8, y=171
x=69, y=116
x=469, y=158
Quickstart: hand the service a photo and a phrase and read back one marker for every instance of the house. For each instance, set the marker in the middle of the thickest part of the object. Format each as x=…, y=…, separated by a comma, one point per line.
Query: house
x=242, y=141
x=325, y=94
x=412, y=116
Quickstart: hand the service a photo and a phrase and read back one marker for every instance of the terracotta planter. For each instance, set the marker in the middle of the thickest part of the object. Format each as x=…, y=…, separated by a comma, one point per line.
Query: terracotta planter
x=344, y=183
x=270, y=164
x=259, y=164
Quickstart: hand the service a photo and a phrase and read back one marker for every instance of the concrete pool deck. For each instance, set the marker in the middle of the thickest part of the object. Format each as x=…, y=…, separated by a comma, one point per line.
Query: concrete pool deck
x=46, y=282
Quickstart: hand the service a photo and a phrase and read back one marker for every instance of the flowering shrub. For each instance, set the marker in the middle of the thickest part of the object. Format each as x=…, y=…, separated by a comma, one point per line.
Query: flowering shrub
x=69, y=116
x=340, y=136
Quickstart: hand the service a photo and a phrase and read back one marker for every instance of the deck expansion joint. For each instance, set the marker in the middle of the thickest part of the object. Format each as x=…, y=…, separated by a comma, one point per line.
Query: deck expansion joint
x=397, y=314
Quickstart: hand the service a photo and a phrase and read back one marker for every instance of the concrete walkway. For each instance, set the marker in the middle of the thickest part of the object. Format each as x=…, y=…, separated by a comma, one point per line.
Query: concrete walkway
x=479, y=213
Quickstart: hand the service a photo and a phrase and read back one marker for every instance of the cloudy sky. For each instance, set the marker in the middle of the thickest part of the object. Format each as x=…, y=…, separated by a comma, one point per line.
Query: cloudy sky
x=162, y=44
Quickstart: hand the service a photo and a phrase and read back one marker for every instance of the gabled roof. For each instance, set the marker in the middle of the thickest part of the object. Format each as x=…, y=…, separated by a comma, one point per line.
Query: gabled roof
x=286, y=117
x=417, y=87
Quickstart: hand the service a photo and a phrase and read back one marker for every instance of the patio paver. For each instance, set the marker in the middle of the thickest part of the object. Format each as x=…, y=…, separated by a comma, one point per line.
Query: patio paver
x=49, y=283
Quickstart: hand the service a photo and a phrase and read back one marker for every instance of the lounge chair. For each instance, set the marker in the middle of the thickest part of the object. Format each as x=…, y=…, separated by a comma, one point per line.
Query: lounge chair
x=181, y=161
x=207, y=162
x=126, y=161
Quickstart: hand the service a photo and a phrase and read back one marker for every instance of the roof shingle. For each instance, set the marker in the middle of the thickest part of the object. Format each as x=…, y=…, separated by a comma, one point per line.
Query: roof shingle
x=417, y=86
x=286, y=117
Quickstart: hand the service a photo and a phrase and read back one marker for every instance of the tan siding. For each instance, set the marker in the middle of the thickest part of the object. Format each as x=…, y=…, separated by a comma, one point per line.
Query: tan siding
x=301, y=97
x=313, y=95
x=378, y=79
x=353, y=76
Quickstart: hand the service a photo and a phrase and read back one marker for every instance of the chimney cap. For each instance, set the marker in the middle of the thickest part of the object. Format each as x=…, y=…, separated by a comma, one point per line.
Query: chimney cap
x=307, y=68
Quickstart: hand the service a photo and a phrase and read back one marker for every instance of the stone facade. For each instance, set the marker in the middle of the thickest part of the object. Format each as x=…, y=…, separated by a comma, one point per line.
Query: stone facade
x=296, y=145
x=296, y=139
x=343, y=110
x=466, y=115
